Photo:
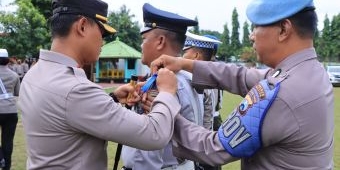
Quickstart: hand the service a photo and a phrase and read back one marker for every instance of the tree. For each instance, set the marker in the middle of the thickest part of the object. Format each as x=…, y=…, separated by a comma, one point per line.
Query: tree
x=252, y=26
x=335, y=36
x=224, y=51
x=248, y=55
x=25, y=30
x=196, y=29
x=246, y=40
x=210, y=32
x=316, y=41
x=127, y=30
x=235, y=35
x=325, y=41
x=44, y=7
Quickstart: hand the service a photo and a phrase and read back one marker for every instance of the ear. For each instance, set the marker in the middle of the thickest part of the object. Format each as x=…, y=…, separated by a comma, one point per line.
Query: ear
x=161, y=40
x=81, y=26
x=197, y=56
x=286, y=29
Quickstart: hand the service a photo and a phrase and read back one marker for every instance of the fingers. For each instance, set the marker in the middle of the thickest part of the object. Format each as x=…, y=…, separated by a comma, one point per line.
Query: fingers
x=167, y=81
x=144, y=97
x=156, y=65
x=148, y=99
x=134, y=98
x=128, y=94
x=140, y=84
x=147, y=106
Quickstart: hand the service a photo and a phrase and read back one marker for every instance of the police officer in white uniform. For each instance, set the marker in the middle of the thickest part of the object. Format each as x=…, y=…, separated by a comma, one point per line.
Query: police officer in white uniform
x=67, y=119
x=202, y=48
x=218, y=93
x=198, y=47
x=164, y=33
x=286, y=120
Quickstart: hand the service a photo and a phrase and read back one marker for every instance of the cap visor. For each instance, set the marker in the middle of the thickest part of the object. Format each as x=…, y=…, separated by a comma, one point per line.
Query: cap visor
x=145, y=29
x=186, y=48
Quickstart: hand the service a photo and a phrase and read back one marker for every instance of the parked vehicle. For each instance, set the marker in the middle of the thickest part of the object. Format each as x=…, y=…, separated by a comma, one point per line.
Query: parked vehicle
x=334, y=74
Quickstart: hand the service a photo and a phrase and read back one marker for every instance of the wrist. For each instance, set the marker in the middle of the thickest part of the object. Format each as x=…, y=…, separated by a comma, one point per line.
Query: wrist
x=187, y=64
x=114, y=97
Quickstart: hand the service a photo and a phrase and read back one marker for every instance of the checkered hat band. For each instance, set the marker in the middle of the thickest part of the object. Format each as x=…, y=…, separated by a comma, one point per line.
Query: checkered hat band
x=200, y=44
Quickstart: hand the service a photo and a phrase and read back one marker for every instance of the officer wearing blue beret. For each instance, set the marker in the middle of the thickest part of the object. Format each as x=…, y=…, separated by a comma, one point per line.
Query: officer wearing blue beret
x=69, y=119
x=164, y=33
x=285, y=120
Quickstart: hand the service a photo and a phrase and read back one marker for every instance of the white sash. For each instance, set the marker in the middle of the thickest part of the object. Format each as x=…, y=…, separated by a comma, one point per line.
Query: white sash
x=4, y=94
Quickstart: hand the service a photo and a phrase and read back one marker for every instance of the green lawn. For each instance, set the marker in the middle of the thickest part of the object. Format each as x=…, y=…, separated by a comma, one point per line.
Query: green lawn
x=229, y=101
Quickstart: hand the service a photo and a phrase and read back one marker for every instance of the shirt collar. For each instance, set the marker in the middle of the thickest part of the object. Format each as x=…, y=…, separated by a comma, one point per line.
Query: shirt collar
x=57, y=58
x=295, y=59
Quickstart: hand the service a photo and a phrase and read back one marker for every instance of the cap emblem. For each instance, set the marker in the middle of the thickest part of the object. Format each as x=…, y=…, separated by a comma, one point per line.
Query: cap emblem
x=154, y=25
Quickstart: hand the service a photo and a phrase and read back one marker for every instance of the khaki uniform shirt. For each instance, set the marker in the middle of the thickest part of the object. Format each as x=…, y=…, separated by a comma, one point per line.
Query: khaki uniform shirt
x=297, y=132
x=68, y=119
x=20, y=69
x=11, y=83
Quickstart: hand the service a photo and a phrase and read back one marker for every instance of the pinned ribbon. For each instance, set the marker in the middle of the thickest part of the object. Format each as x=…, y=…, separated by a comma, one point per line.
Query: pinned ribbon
x=149, y=83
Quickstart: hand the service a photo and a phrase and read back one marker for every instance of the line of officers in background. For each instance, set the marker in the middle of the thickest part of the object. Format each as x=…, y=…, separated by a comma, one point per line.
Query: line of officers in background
x=21, y=66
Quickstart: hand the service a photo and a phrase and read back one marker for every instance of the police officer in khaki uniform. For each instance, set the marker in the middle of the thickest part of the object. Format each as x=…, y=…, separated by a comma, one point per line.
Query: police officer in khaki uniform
x=286, y=120
x=9, y=90
x=67, y=119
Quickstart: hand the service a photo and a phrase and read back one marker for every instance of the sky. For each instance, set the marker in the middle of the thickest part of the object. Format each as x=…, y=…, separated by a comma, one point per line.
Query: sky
x=211, y=14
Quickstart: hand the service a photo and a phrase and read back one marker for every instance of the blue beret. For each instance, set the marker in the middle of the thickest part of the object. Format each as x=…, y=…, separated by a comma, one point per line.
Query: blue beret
x=264, y=12
x=156, y=18
x=194, y=40
x=95, y=9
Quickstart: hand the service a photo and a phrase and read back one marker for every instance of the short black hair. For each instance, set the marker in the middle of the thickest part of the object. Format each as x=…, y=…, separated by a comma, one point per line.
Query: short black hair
x=61, y=24
x=207, y=53
x=177, y=39
x=305, y=23
x=4, y=61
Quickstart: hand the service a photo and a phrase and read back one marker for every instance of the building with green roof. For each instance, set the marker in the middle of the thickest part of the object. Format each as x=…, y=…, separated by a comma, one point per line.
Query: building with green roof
x=118, y=61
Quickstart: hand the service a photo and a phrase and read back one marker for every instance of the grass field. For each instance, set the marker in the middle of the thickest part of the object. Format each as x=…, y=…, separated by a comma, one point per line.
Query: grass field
x=229, y=101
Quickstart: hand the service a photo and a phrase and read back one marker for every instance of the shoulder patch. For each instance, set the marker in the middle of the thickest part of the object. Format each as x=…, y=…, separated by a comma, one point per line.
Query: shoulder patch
x=240, y=134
